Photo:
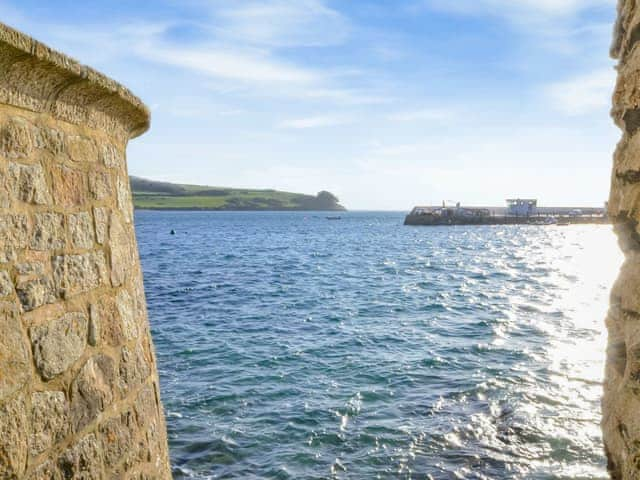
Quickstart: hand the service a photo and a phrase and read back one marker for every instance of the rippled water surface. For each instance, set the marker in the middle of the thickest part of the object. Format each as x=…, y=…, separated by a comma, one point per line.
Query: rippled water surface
x=290, y=346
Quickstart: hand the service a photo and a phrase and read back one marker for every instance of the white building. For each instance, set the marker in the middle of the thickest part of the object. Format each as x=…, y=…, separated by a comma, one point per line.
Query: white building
x=522, y=207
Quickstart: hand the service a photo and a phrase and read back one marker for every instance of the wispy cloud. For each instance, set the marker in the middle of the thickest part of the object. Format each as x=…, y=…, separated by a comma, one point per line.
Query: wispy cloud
x=280, y=23
x=225, y=65
x=315, y=122
x=582, y=94
x=245, y=66
x=260, y=73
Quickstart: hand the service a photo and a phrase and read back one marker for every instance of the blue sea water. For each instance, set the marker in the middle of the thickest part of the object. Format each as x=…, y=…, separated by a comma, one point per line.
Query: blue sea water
x=290, y=346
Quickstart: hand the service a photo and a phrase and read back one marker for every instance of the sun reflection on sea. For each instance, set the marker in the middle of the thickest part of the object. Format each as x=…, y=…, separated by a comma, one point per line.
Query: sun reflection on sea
x=535, y=413
x=585, y=262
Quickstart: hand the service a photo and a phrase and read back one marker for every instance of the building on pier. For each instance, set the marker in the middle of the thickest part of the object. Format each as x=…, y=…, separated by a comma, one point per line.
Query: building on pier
x=522, y=207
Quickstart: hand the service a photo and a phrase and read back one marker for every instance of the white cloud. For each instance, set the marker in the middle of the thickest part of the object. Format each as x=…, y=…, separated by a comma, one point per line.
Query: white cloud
x=583, y=94
x=280, y=23
x=250, y=67
x=230, y=66
x=315, y=122
x=257, y=72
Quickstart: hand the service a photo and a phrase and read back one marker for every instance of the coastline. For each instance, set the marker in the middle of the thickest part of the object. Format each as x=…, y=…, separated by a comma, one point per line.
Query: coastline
x=206, y=209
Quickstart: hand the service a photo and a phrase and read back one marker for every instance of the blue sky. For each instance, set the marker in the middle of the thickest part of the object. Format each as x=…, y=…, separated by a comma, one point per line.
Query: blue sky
x=387, y=104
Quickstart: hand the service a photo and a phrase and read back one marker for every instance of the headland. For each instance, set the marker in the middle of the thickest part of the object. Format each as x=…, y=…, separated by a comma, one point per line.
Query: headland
x=155, y=195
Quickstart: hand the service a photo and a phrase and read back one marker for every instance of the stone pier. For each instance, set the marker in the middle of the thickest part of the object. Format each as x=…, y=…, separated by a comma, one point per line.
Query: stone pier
x=79, y=396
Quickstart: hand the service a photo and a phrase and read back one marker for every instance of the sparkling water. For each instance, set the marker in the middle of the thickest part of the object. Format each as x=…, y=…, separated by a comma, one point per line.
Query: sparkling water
x=290, y=346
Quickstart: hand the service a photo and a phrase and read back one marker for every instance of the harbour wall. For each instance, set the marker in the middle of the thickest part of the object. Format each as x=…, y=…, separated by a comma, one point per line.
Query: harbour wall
x=427, y=220
x=79, y=391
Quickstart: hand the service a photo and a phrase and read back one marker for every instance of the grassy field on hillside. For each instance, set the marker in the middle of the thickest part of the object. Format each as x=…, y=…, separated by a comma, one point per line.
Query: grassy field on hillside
x=149, y=194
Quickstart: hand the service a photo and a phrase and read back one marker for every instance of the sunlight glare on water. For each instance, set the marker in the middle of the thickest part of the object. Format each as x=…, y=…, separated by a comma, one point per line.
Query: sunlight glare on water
x=293, y=347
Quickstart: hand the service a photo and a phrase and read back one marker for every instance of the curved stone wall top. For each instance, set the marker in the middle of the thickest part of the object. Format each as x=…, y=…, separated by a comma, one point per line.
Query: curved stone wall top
x=79, y=390
x=38, y=78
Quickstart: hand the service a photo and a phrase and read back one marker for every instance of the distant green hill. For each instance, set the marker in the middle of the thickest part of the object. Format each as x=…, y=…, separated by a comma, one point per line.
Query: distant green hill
x=152, y=195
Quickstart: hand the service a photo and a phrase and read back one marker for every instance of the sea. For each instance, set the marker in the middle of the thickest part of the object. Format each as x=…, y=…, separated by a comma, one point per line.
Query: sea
x=291, y=346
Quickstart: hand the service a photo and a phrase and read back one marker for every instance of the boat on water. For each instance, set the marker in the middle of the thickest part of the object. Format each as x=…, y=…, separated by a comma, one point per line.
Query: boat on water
x=334, y=218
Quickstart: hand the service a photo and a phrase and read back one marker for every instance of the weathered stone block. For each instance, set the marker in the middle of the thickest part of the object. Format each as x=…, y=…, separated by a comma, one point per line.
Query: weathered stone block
x=623, y=198
x=75, y=274
x=626, y=289
x=47, y=471
x=117, y=438
x=27, y=183
x=83, y=461
x=92, y=391
x=122, y=256
x=100, y=185
x=30, y=269
x=49, y=420
x=16, y=138
x=5, y=198
x=94, y=325
x=139, y=299
x=51, y=140
x=6, y=285
x=36, y=292
x=138, y=454
x=146, y=476
x=69, y=186
x=59, y=343
x=101, y=217
x=14, y=352
x=134, y=368
x=82, y=149
x=125, y=204
x=13, y=438
x=153, y=446
x=107, y=317
x=7, y=253
x=48, y=231
x=111, y=156
x=146, y=406
x=81, y=230
x=124, y=303
x=14, y=230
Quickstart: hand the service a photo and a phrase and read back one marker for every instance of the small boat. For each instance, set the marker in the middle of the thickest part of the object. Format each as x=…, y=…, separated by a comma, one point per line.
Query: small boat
x=562, y=224
x=334, y=218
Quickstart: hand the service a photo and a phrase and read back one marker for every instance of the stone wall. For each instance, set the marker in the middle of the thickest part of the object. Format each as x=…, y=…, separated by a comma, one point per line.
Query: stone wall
x=79, y=391
x=621, y=401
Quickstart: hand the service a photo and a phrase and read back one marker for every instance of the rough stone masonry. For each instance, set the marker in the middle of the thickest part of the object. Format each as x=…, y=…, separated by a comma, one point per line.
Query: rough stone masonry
x=621, y=401
x=79, y=394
